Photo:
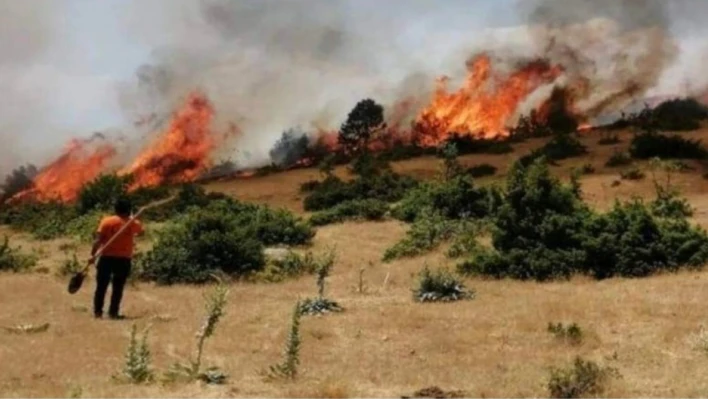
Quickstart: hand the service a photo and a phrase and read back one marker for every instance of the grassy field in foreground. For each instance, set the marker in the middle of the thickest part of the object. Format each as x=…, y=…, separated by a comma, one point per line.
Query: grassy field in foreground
x=384, y=344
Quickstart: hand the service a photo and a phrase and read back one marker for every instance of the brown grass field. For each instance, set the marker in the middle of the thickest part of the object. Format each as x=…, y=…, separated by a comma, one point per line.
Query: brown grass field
x=384, y=344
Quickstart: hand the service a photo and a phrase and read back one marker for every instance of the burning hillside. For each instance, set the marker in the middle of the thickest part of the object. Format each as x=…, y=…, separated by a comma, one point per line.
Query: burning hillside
x=80, y=162
x=485, y=103
x=179, y=154
x=182, y=152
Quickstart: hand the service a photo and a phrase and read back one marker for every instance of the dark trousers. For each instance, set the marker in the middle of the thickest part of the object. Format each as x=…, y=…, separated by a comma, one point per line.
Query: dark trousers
x=115, y=271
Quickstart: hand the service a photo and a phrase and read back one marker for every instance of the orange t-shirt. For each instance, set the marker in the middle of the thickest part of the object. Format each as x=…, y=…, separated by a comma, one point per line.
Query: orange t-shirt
x=122, y=246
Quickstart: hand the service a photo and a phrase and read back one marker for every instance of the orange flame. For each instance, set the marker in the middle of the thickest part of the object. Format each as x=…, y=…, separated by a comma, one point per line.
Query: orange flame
x=181, y=153
x=484, y=104
x=62, y=179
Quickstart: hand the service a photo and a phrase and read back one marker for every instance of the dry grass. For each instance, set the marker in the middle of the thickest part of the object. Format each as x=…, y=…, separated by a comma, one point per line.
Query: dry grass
x=384, y=344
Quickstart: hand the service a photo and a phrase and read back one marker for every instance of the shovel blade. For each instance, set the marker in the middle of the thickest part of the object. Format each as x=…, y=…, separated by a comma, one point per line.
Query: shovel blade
x=75, y=283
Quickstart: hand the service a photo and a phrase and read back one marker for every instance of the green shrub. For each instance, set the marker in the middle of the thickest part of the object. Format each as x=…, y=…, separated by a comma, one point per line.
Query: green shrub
x=454, y=199
x=537, y=228
x=633, y=173
x=290, y=266
x=428, y=231
x=570, y=333
x=543, y=232
x=102, y=192
x=321, y=305
x=581, y=379
x=367, y=209
x=137, y=368
x=628, y=241
x=669, y=204
x=482, y=170
x=225, y=236
x=679, y=115
x=651, y=145
x=618, y=158
x=466, y=144
x=12, y=259
x=387, y=186
x=83, y=227
x=563, y=146
x=440, y=286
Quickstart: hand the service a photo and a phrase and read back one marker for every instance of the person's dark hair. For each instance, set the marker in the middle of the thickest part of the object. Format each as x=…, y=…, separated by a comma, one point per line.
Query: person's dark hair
x=123, y=207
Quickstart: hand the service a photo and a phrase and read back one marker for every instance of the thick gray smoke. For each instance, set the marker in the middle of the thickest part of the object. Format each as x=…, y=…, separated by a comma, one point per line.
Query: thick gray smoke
x=613, y=52
x=272, y=65
x=24, y=107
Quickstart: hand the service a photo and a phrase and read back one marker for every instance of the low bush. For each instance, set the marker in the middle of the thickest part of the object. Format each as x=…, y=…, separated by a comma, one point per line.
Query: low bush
x=387, y=186
x=570, y=333
x=628, y=241
x=482, y=170
x=367, y=209
x=440, y=286
x=321, y=304
x=582, y=379
x=454, y=199
x=650, y=145
x=428, y=231
x=543, y=232
x=467, y=144
x=669, y=204
x=224, y=237
x=633, y=173
x=563, y=146
x=290, y=266
x=680, y=114
x=618, y=158
x=12, y=259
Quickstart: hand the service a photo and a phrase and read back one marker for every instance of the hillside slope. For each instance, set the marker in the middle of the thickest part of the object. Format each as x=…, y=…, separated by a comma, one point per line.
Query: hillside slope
x=384, y=344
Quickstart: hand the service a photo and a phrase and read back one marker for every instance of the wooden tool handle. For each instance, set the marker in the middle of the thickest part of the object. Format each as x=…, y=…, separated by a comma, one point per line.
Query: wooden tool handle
x=125, y=226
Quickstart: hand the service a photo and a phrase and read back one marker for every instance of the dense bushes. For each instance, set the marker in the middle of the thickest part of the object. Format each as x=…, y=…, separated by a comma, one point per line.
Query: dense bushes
x=650, y=145
x=679, y=115
x=387, y=186
x=454, y=198
x=543, y=232
x=628, y=241
x=367, y=209
x=225, y=236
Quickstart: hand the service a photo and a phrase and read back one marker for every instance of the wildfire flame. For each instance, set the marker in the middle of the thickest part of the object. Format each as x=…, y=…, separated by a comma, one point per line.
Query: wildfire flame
x=181, y=153
x=62, y=179
x=483, y=105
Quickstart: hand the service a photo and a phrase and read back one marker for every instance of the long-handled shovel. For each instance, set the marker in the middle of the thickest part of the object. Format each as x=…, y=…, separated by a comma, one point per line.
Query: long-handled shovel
x=78, y=279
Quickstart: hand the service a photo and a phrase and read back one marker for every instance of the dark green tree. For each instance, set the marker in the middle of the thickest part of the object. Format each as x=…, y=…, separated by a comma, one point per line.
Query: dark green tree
x=363, y=122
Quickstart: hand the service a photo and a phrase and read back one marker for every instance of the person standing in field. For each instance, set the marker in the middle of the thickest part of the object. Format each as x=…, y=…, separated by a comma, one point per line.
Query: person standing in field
x=115, y=261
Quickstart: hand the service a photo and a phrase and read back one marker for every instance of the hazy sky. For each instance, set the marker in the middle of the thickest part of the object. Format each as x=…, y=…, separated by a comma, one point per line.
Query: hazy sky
x=65, y=61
